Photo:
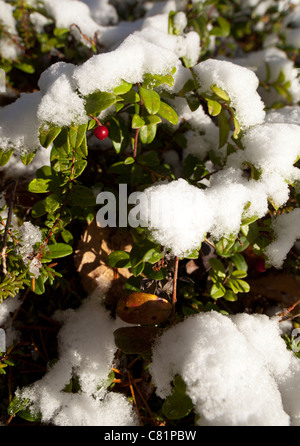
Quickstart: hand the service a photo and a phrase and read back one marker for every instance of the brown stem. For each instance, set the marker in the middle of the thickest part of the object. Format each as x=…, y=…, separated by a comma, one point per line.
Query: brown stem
x=135, y=142
x=6, y=231
x=174, y=294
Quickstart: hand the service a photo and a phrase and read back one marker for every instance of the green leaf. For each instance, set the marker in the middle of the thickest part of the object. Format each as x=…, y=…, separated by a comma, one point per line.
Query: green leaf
x=119, y=133
x=218, y=267
x=155, y=80
x=138, y=269
x=79, y=167
x=240, y=262
x=39, y=209
x=134, y=283
x=217, y=291
x=119, y=259
x=146, y=251
x=238, y=274
x=150, y=99
x=39, y=185
x=137, y=121
x=99, y=101
x=26, y=158
x=76, y=135
x=238, y=285
x=48, y=133
x=224, y=128
x=131, y=97
x=58, y=250
x=61, y=144
x=5, y=156
x=82, y=196
x=39, y=285
x=230, y=296
x=214, y=107
x=193, y=101
x=168, y=113
x=237, y=128
x=147, y=133
x=220, y=92
x=178, y=404
x=67, y=236
x=26, y=67
x=52, y=203
x=150, y=159
x=123, y=88
x=224, y=246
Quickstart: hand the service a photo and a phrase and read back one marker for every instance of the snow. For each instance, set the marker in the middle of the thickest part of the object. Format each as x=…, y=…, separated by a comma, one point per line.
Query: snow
x=236, y=368
x=19, y=126
x=167, y=213
x=239, y=83
x=272, y=148
x=8, y=48
x=287, y=231
x=30, y=235
x=267, y=64
x=129, y=62
x=86, y=350
x=7, y=308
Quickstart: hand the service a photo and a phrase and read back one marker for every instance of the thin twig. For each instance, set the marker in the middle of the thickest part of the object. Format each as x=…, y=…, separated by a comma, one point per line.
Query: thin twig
x=174, y=294
x=135, y=142
x=289, y=309
x=6, y=231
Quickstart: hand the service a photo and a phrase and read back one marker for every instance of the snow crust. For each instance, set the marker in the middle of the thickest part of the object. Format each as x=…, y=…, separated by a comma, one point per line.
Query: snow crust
x=237, y=369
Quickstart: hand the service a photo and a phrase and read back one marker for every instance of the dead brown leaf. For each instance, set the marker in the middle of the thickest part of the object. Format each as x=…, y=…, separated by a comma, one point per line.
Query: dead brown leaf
x=91, y=261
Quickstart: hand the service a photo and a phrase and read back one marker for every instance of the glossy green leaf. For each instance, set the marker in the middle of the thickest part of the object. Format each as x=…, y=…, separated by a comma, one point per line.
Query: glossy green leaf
x=137, y=121
x=39, y=185
x=26, y=158
x=48, y=133
x=240, y=262
x=119, y=259
x=26, y=67
x=220, y=92
x=76, y=135
x=217, y=291
x=147, y=133
x=82, y=196
x=224, y=128
x=123, y=88
x=52, y=203
x=151, y=100
x=150, y=159
x=214, y=107
x=168, y=113
x=178, y=404
x=5, y=156
x=155, y=80
x=58, y=250
x=99, y=101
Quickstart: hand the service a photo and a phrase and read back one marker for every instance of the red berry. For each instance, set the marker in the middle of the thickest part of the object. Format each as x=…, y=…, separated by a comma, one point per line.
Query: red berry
x=101, y=132
x=260, y=266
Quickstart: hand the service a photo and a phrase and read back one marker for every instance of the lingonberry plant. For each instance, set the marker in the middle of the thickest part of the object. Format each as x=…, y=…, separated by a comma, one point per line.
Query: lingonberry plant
x=150, y=181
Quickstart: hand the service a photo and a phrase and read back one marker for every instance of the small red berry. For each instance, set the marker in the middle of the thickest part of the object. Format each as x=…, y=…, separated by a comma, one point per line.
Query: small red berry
x=101, y=132
x=260, y=266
